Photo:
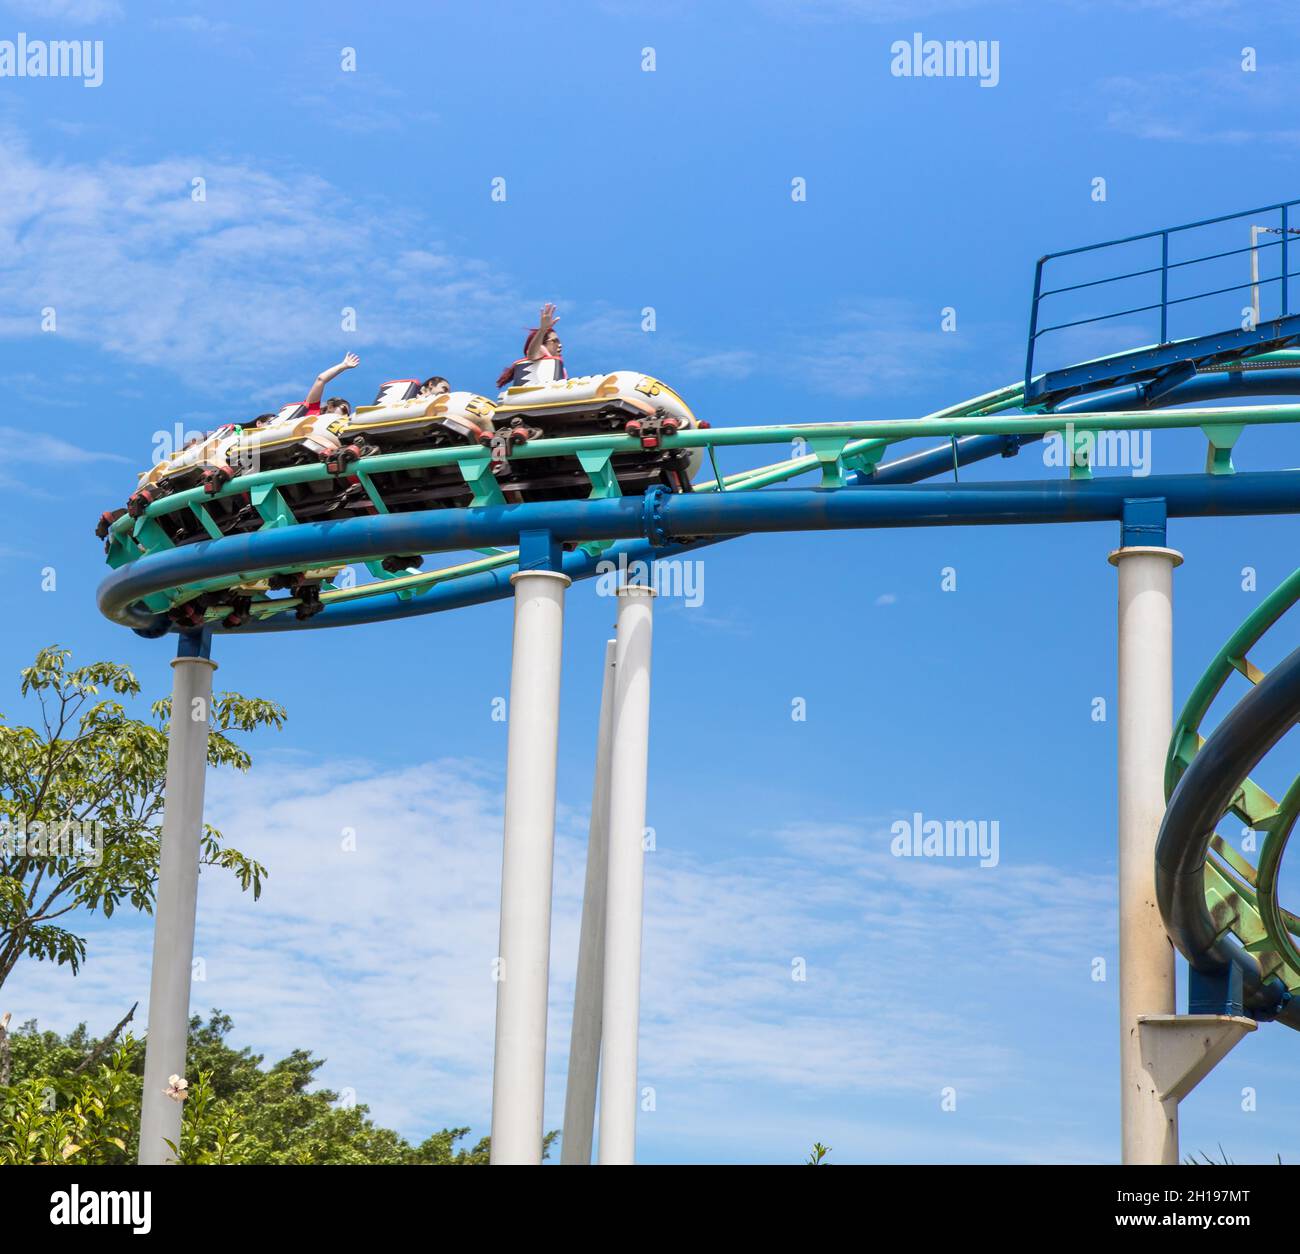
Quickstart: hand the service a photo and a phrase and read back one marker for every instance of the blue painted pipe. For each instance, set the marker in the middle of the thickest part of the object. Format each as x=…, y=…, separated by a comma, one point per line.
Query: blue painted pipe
x=939, y=461
x=1219, y=385
x=667, y=518
x=494, y=585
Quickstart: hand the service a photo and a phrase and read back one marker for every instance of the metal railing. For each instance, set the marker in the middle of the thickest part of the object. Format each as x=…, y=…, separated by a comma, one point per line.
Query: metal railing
x=1284, y=231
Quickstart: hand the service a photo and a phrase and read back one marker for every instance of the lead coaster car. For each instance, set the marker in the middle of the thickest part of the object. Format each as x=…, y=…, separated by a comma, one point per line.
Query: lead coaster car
x=290, y=437
x=183, y=470
x=622, y=401
x=400, y=421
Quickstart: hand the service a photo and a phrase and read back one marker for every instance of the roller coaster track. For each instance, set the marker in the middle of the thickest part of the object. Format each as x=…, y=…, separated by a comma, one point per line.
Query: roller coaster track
x=1222, y=912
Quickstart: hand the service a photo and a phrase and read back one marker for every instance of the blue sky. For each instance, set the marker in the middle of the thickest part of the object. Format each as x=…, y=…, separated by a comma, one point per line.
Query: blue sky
x=370, y=190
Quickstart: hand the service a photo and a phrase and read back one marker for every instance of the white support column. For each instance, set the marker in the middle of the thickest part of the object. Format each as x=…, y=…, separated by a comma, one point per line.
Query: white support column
x=174, y=909
x=629, y=756
x=519, y=1066
x=1149, y=1125
x=584, y=1042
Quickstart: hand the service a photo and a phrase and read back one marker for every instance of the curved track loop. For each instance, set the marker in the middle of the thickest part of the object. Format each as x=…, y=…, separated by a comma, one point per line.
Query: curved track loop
x=1218, y=907
x=847, y=455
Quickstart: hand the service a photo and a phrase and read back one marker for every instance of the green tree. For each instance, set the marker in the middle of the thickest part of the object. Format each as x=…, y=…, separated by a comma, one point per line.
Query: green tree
x=89, y=763
x=77, y=1102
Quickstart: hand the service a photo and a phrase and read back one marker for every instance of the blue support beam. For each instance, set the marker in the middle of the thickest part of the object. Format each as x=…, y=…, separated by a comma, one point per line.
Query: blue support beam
x=539, y=550
x=194, y=643
x=667, y=519
x=1142, y=523
x=1215, y=992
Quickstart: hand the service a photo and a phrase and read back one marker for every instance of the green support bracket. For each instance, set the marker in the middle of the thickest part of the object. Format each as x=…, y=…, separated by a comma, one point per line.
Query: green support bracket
x=271, y=505
x=162, y=601
x=120, y=551
x=866, y=459
x=1079, y=453
x=371, y=491
x=829, y=451
x=151, y=535
x=599, y=465
x=205, y=520
x=482, y=482
x=1222, y=436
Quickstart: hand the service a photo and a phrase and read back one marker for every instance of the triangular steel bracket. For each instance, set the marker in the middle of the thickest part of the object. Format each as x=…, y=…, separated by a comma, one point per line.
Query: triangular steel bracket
x=1179, y=1051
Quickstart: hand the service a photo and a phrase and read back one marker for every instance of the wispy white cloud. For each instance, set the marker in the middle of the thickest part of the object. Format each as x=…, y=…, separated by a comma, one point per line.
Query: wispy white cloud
x=869, y=10
x=264, y=265
x=68, y=10
x=379, y=957
x=36, y=448
x=865, y=348
x=193, y=24
x=1210, y=105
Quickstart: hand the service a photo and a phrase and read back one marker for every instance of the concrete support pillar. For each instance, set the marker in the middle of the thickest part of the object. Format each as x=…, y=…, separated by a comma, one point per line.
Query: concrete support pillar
x=584, y=1043
x=519, y=1065
x=1149, y=1125
x=629, y=756
x=177, y=896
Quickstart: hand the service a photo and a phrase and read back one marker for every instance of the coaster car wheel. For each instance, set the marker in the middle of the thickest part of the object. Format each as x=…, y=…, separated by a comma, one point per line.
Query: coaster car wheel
x=215, y=478
x=106, y=521
x=188, y=616
x=309, y=602
x=238, y=616
x=142, y=498
x=650, y=431
x=395, y=564
x=338, y=460
x=501, y=442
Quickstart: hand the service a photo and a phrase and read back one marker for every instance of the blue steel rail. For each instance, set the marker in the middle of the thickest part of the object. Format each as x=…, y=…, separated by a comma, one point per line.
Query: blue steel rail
x=1159, y=366
x=656, y=522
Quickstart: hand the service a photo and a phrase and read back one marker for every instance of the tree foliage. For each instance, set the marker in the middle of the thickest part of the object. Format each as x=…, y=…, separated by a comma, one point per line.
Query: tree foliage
x=89, y=765
x=236, y=1110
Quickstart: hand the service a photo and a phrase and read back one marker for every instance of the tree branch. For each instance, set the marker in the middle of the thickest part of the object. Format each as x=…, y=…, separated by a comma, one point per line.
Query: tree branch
x=99, y=1049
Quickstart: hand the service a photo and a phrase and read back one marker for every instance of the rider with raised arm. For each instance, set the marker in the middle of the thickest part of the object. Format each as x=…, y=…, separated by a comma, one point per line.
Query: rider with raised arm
x=543, y=359
x=336, y=404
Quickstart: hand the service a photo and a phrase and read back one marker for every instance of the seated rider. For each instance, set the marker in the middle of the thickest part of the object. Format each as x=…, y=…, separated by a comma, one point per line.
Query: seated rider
x=434, y=385
x=543, y=359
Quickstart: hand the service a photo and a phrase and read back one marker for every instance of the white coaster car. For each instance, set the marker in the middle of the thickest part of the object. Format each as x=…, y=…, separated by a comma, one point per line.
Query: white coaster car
x=400, y=421
x=291, y=438
x=185, y=469
x=287, y=438
x=623, y=400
